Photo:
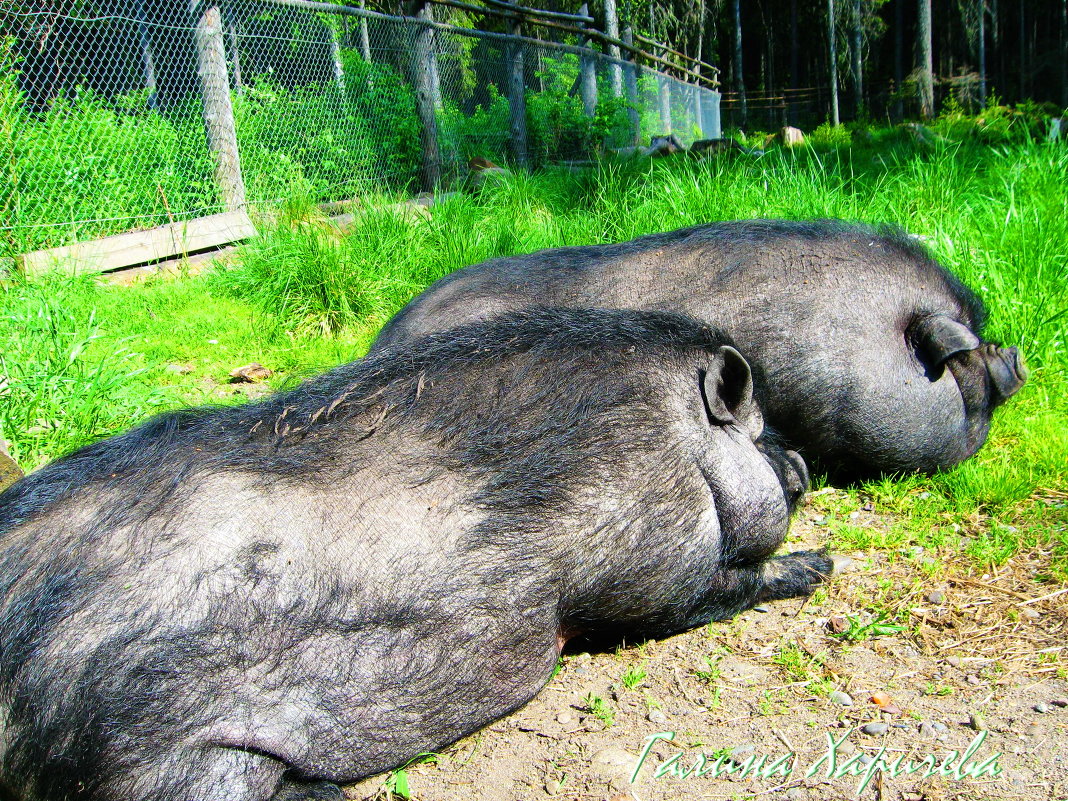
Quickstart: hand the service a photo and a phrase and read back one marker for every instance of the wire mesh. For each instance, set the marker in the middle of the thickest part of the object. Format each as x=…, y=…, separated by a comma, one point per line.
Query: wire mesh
x=119, y=115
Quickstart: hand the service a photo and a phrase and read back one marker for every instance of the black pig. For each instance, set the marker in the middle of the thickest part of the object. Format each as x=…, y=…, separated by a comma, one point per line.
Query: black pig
x=870, y=350
x=264, y=602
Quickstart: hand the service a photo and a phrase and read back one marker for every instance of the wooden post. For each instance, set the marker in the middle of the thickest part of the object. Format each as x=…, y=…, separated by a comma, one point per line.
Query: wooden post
x=630, y=76
x=587, y=71
x=215, y=95
x=611, y=24
x=517, y=99
x=420, y=68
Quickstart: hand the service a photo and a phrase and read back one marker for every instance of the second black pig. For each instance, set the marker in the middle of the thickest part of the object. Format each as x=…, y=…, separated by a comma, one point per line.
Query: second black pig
x=871, y=351
x=267, y=601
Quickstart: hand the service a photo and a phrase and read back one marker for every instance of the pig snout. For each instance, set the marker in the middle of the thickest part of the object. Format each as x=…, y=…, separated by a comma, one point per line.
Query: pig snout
x=1007, y=371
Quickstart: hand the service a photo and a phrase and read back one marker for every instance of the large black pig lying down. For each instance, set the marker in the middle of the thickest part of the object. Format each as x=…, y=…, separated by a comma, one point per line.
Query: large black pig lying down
x=870, y=350
x=263, y=602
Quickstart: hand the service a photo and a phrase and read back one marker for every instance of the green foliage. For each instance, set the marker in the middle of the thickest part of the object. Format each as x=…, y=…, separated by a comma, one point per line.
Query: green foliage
x=827, y=135
x=995, y=124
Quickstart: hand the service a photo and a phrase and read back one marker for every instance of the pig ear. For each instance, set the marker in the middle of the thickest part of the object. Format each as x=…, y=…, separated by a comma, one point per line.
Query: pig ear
x=938, y=337
x=727, y=387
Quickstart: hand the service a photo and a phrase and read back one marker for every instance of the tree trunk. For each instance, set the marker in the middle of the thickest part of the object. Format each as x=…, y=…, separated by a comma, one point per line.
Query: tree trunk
x=832, y=58
x=421, y=76
x=148, y=56
x=794, y=57
x=1023, y=52
x=215, y=97
x=857, y=54
x=923, y=48
x=365, y=39
x=611, y=24
x=335, y=56
x=1064, y=53
x=517, y=99
x=899, y=58
x=982, y=52
x=630, y=77
x=736, y=62
x=587, y=72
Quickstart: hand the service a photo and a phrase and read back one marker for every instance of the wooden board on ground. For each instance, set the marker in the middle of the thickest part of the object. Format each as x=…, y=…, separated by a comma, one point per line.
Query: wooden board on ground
x=140, y=247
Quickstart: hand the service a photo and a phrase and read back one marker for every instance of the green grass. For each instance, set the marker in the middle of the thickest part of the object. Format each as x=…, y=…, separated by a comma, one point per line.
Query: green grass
x=83, y=360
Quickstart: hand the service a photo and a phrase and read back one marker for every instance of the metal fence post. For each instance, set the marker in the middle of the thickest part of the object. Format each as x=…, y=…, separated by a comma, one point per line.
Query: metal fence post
x=517, y=99
x=215, y=94
x=587, y=71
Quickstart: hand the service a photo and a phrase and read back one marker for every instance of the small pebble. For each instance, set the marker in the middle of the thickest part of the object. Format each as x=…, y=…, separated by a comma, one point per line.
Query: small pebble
x=552, y=787
x=1061, y=702
x=935, y=597
x=854, y=515
x=840, y=698
x=880, y=698
x=874, y=729
x=820, y=521
x=973, y=680
x=581, y=671
x=565, y=718
x=1041, y=708
x=847, y=748
x=795, y=794
x=656, y=716
x=869, y=507
x=940, y=726
x=977, y=722
x=1030, y=614
x=864, y=759
x=761, y=608
x=923, y=496
x=953, y=661
x=927, y=730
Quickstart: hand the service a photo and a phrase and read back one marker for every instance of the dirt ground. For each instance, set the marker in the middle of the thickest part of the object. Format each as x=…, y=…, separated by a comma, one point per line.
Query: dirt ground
x=981, y=663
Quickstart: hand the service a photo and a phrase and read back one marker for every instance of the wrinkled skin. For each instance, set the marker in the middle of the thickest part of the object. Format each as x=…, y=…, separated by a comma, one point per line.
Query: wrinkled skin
x=870, y=350
x=267, y=601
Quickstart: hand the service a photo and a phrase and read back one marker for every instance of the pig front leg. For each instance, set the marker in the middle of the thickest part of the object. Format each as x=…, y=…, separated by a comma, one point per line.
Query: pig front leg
x=735, y=589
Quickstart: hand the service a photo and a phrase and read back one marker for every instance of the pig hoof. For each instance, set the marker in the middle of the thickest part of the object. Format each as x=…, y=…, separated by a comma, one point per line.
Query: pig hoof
x=310, y=791
x=796, y=574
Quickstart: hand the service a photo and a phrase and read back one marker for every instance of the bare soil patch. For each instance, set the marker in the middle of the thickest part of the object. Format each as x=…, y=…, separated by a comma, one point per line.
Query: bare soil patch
x=959, y=653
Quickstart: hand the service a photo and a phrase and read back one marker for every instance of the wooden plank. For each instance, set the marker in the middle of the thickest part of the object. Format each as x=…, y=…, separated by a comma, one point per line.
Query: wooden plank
x=139, y=247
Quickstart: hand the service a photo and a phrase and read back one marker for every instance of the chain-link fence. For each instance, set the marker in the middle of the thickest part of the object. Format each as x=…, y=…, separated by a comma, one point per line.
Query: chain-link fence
x=119, y=115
